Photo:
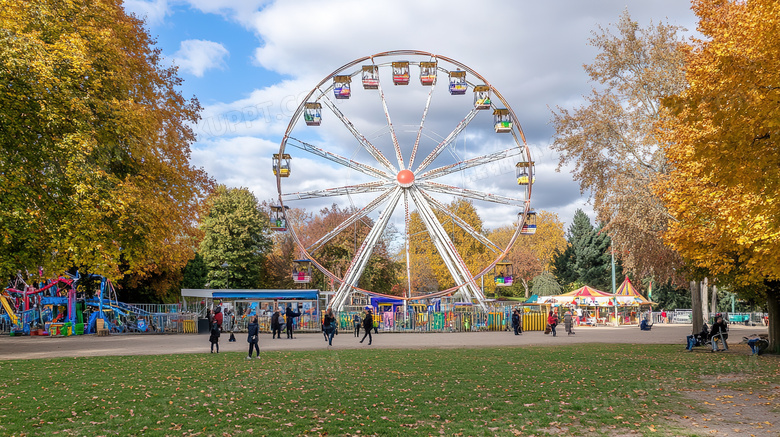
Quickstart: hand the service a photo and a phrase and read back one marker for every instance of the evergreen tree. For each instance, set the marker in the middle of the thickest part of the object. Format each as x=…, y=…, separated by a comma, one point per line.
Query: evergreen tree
x=545, y=285
x=587, y=258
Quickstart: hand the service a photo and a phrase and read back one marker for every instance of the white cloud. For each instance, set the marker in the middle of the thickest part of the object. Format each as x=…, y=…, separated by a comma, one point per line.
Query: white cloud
x=153, y=12
x=195, y=56
x=532, y=52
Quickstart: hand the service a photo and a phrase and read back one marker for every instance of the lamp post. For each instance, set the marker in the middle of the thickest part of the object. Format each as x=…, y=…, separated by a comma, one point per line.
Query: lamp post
x=226, y=266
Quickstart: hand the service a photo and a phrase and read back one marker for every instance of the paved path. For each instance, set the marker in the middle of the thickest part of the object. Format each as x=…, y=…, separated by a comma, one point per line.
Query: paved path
x=135, y=344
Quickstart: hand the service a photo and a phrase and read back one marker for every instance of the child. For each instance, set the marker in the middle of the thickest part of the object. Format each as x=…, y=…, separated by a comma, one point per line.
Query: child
x=214, y=338
x=232, y=337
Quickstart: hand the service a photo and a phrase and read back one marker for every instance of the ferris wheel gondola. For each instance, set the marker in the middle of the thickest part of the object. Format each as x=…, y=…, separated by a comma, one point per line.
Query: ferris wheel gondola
x=394, y=172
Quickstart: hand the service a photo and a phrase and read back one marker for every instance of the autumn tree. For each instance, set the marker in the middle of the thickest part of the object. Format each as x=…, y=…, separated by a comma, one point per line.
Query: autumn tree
x=611, y=142
x=95, y=146
x=474, y=253
x=531, y=254
x=236, y=239
x=722, y=136
x=380, y=274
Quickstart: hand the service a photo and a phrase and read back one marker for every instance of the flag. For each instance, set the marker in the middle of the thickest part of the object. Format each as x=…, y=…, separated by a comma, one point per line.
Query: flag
x=650, y=291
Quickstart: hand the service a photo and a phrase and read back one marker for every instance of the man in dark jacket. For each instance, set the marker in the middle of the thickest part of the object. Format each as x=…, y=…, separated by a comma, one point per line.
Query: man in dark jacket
x=290, y=315
x=515, y=322
x=253, y=331
x=719, y=332
x=276, y=325
x=368, y=325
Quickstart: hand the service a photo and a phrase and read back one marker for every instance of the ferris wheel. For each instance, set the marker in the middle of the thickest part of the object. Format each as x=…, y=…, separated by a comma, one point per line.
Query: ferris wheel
x=394, y=148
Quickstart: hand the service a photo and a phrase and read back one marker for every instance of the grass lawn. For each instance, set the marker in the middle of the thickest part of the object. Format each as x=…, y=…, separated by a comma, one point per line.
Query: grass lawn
x=579, y=389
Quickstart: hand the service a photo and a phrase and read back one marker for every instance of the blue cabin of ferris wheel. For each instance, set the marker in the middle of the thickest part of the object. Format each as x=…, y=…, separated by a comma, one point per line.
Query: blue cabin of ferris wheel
x=341, y=89
x=458, y=85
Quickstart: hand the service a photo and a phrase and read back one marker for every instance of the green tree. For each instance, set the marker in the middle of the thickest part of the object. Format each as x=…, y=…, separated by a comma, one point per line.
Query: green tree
x=94, y=146
x=545, y=285
x=587, y=259
x=236, y=239
x=195, y=274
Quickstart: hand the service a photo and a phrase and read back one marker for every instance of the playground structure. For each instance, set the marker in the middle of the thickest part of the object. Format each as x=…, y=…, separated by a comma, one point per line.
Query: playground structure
x=58, y=307
x=389, y=167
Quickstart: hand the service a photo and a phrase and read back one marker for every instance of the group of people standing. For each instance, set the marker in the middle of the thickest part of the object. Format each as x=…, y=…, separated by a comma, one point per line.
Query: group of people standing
x=552, y=323
x=367, y=322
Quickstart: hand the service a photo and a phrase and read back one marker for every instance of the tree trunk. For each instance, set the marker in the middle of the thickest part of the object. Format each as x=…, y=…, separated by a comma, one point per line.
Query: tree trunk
x=773, y=308
x=704, y=287
x=714, y=302
x=696, y=318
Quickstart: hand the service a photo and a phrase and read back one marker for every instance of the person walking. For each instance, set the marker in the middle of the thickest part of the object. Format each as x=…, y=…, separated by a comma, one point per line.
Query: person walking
x=552, y=320
x=290, y=315
x=276, y=325
x=329, y=325
x=515, y=321
x=368, y=325
x=253, y=331
x=356, y=322
x=567, y=322
x=214, y=337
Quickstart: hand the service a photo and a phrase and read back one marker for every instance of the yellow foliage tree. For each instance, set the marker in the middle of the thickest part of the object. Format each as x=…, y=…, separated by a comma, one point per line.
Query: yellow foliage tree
x=94, y=169
x=423, y=252
x=532, y=254
x=723, y=137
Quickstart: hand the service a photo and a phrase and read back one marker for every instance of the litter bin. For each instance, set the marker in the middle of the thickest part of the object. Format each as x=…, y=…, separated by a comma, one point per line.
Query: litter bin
x=203, y=326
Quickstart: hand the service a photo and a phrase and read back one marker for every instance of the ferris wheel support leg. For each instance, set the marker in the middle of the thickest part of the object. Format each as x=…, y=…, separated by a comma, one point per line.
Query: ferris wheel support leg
x=355, y=269
x=446, y=248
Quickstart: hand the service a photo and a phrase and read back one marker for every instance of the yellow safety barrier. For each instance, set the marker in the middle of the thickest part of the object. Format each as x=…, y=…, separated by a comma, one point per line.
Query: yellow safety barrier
x=190, y=326
x=534, y=321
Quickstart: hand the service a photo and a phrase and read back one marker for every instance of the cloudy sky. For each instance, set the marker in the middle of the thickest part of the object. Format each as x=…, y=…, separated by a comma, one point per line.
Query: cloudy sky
x=251, y=63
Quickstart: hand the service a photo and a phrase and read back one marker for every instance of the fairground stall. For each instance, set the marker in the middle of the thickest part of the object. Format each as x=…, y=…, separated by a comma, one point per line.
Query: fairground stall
x=238, y=306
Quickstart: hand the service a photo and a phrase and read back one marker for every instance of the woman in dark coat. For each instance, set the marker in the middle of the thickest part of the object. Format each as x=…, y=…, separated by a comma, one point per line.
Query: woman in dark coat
x=276, y=325
x=368, y=325
x=253, y=331
x=214, y=338
x=329, y=325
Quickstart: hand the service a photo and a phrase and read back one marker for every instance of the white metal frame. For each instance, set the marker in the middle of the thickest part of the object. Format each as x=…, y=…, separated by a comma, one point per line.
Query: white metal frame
x=391, y=193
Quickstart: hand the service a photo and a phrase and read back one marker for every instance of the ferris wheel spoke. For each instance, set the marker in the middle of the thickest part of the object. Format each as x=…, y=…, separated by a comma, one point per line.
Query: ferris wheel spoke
x=471, y=194
x=396, y=146
x=469, y=163
x=406, y=245
x=369, y=187
x=461, y=223
x=346, y=162
x=422, y=124
x=449, y=254
x=374, y=204
x=373, y=151
x=361, y=258
x=447, y=141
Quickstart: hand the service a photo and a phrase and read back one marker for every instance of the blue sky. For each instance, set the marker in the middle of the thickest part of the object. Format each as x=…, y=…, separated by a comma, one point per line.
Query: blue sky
x=250, y=62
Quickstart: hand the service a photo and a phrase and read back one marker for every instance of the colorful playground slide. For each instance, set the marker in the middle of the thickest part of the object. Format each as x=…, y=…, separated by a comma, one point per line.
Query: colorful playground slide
x=9, y=309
